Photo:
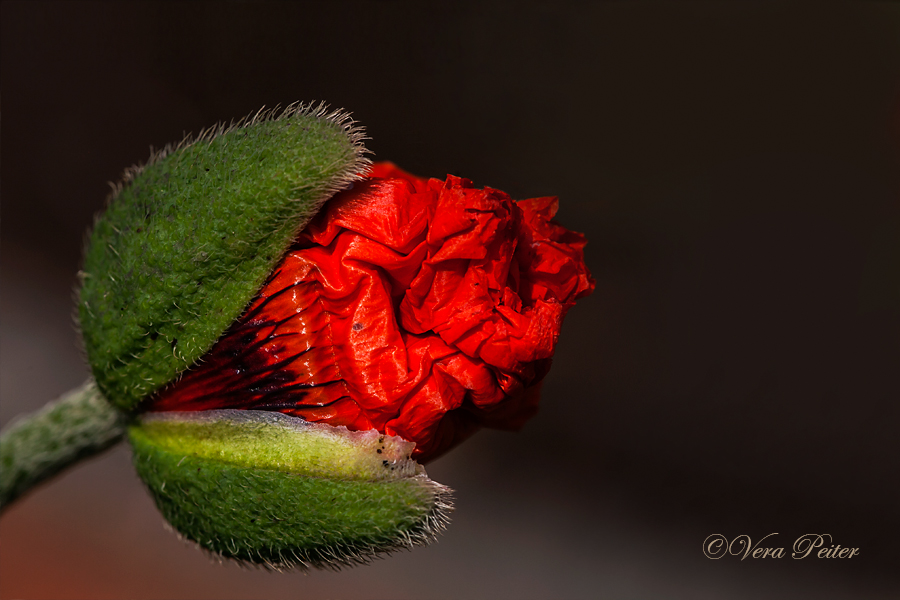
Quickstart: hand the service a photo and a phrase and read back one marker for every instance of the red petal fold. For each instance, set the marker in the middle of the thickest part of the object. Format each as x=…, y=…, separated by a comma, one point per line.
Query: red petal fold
x=420, y=308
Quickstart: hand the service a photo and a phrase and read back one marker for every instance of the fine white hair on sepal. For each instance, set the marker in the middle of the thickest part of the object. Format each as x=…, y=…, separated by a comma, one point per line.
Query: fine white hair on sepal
x=353, y=130
x=335, y=558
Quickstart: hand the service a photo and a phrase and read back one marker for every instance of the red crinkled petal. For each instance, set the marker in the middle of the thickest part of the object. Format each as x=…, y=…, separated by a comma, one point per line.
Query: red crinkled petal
x=420, y=308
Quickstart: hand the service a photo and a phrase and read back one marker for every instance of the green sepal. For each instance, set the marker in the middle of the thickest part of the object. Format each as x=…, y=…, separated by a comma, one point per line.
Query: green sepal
x=278, y=491
x=188, y=239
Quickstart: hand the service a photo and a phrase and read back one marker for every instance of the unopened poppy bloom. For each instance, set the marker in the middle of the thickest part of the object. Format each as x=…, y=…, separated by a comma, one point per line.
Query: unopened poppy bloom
x=279, y=364
x=420, y=308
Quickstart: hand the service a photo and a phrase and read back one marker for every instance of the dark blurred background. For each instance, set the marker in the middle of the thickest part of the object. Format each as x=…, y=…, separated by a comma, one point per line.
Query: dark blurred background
x=735, y=168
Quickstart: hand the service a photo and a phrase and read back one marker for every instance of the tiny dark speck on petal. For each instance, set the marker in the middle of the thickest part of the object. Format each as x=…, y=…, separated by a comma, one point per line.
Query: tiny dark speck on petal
x=378, y=451
x=385, y=463
x=357, y=326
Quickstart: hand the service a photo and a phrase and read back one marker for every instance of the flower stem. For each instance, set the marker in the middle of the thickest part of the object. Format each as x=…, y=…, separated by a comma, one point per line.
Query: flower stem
x=79, y=424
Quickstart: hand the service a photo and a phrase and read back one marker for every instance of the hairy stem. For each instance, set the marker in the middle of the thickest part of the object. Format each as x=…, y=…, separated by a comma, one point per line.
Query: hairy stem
x=32, y=448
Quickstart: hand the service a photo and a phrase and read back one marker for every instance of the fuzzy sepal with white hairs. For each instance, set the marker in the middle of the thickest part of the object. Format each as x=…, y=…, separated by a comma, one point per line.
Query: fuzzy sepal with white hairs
x=276, y=491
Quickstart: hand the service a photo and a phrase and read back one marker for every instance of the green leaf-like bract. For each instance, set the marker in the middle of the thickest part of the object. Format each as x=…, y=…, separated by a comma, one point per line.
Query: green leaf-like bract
x=188, y=239
x=274, y=490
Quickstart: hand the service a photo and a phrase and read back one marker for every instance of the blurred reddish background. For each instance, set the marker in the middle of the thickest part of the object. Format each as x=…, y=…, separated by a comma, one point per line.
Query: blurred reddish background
x=735, y=168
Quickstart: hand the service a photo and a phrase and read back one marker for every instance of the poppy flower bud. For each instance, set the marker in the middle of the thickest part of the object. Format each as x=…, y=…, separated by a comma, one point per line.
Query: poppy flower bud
x=416, y=307
x=284, y=375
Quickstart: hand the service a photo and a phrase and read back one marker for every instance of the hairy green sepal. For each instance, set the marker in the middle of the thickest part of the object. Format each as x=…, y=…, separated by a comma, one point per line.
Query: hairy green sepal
x=188, y=239
x=277, y=491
